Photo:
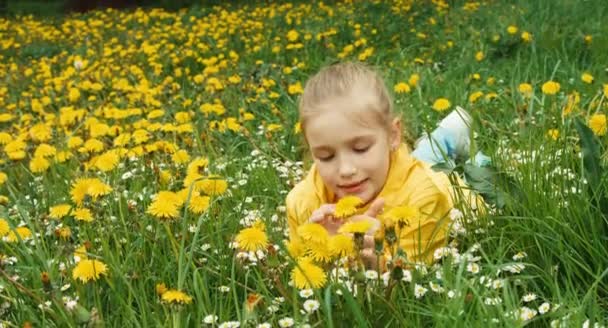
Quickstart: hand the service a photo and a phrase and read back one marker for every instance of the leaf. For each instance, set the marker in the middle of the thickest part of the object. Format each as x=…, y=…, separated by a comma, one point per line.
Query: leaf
x=354, y=308
x=590, y=149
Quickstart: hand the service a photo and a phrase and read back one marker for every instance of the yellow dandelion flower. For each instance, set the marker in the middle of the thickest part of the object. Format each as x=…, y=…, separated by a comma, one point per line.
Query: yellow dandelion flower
x=525, y=89
x=180, y=157
x=479, y=56
x=587, y=78
x=441, y=104
x=3, y=178
x=295, y=248
x=83, y=214
x=347, y=206
x=526, y=36
x=413, y=80
x=320, y=252
x=252, y=239
x=92, y=187
x=173, y=296
x=4, y=228
x=313, y=232
x=63, y=233
x=605, y=90
x=341, y=245
x=295, y=88
x=89, y=270
x=107, y=161
x=356, y=227
x=308, y=275
x=161, y=288
x=166, y=205
x=512, y=29
x=402, y=214
x=550, y=87
x=59, y=211
x=45, y=150
x=39, y=165
x=597, y=123
x=81, y=252
x=402, y=87
x=212, y=186
x=553, y=134
x=23, y=233
x=475, y=96
x=198, y=204
x=197, y=166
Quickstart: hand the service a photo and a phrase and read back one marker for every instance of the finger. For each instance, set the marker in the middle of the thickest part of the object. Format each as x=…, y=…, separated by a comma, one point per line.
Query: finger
x=375, y=208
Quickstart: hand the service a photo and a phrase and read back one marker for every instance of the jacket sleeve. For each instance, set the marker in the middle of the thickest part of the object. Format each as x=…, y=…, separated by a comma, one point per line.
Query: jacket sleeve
x=428, y=232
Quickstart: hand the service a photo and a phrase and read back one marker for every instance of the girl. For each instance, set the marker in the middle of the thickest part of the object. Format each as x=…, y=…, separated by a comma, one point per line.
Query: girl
x=347, y=119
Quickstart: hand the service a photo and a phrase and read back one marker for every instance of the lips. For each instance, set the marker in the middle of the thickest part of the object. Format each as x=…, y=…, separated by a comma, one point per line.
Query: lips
x=353, y=187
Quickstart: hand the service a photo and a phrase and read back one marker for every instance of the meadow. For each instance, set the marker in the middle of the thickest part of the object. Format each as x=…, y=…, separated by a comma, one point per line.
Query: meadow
x=146, y=155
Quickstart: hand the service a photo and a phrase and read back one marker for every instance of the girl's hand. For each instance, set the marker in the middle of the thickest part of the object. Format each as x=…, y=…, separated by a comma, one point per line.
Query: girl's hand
x=324, y=216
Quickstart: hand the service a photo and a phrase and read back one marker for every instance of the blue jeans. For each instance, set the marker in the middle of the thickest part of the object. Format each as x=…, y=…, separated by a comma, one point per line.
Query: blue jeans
x=440, y=147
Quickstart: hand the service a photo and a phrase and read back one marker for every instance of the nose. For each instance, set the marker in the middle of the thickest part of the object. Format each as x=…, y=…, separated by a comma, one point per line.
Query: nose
x=347, y=169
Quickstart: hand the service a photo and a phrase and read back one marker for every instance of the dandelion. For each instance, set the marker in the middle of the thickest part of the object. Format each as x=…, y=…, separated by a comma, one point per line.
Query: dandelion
x=83, y=214
x=475, y=96
x=413, y=80
x=88, y=187
x=512, y=29
x=313, y=232
x=605, y=86
x=320, y=252
x=525, y=89
x=419, y=291
x=89, y=270
x=553, y=134
x=479, y=56
x=252, y=239
x=311, y=306
x=213, y=186
x=402, y=214
x=550, y=87
x=166, y=205
x=359, y=227
x=198, y=204
x=402, y=87
x=295, y=248
x=39, y=165
x=441, y=104
x=59, y=211
x=107, y=161
x=347, y=206
x=173, y=296
x=341, y=245
x=597, y=123
x=161, y=288
x=20, y=233
x=308, y=275
x=587, y=78
x=526, y=36
x=294, y=89
x=4, y=228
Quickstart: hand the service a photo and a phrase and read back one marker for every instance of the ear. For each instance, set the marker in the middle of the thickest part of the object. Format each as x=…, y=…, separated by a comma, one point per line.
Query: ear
x=395, y=135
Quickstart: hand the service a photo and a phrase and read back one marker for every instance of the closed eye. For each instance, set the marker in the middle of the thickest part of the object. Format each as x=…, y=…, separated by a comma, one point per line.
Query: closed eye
x=361, y=149
x=326, y=158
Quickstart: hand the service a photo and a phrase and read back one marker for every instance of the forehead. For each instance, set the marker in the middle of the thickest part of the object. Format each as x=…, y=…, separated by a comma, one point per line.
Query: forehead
x=337, y=127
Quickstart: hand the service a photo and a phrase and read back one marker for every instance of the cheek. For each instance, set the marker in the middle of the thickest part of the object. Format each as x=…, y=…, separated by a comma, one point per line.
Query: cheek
x=326, y=173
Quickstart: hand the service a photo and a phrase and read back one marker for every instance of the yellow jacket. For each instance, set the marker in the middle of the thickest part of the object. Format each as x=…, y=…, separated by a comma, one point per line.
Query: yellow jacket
x=409, y=182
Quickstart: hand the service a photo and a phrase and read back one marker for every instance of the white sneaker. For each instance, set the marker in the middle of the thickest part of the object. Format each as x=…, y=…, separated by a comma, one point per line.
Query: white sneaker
x=458, y=124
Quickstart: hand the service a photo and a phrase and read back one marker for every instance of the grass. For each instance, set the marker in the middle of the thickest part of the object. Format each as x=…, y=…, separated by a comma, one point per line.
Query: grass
x=547, y=244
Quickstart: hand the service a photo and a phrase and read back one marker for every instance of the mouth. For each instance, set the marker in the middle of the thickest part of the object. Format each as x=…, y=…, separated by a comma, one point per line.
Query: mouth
x=353, y=187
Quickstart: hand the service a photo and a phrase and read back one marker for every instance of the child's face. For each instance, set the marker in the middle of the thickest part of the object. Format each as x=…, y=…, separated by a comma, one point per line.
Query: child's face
x=352, y=157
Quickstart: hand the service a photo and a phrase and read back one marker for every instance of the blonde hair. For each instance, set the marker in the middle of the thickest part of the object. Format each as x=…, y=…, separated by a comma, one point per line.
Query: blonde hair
x=345, y=81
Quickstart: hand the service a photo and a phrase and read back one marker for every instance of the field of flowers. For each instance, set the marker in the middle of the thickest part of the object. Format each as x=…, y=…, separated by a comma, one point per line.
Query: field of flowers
x=145, y=158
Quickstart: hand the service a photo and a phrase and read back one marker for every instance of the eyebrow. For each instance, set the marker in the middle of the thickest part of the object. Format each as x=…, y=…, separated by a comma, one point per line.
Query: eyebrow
x=351, y=141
